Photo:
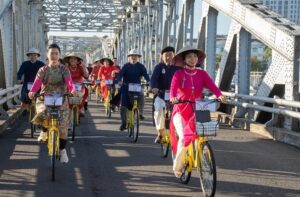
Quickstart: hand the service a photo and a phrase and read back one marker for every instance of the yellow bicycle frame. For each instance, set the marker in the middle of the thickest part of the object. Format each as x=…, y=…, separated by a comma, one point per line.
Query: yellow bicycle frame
x=131, y=114
x=53, y=128
x=191, y=152
x=166, y=135
x=106, y=103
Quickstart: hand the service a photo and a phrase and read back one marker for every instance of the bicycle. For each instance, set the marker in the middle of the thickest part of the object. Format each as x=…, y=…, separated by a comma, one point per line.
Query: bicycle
x=133, y=121
x=107, y=105
x=88, y=84
x=53, y=102
x=199, y=154
x=75, y=116
x=166, y=141
x=32, y=112
x=98, y=95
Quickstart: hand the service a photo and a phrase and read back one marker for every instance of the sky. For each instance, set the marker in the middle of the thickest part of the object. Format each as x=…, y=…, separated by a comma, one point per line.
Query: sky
x=222, y=24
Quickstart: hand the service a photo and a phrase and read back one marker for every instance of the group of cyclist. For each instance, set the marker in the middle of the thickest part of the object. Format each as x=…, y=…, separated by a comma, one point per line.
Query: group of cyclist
x=175, y=78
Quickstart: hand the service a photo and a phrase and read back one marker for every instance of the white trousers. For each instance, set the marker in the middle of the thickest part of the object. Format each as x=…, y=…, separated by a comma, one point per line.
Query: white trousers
x=181, y=150
x=159, y=117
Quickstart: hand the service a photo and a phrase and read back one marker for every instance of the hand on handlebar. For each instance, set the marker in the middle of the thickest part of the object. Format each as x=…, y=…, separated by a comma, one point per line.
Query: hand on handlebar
x=174, y=100
x=31, y=95
x=155, y=90
x=222, y=98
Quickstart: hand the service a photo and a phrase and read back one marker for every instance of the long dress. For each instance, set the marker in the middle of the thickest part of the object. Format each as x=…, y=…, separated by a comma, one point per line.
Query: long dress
x=53, y=81
x=188, y=84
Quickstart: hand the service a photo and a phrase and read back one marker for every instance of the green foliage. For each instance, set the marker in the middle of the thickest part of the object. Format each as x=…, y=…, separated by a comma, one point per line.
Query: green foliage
x=218, y=60
x=257, y=65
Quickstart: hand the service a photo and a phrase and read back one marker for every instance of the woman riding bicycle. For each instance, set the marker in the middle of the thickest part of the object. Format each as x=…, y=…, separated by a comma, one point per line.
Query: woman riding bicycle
x=53, y=78
x=78, y=72
x=105, y=73
x=187, y=84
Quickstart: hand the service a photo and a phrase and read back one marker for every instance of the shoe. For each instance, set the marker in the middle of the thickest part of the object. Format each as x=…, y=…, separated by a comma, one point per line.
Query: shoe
x=81, y=113
x=177, y=174
x=158, y=139
x=86, y=106
x=123, y=127
x=63, y=156
x=43, y=137
x=142, y=117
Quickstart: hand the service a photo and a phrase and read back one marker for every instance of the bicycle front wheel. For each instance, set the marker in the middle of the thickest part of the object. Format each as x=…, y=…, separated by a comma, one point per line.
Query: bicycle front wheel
x=74, y=121
x=53, y=156
x=165, y=145
x=31, y=116
x=207, y=169
x=136, y=125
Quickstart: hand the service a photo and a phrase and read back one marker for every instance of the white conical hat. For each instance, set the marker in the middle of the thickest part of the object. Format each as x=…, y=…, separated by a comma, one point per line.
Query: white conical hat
x=134, y=52
x=178, y=58
x=33, y=51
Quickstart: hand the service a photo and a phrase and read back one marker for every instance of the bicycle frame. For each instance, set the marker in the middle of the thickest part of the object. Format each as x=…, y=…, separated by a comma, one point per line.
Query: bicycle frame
x=192, y=153
x=131, y=114
x=52, y=129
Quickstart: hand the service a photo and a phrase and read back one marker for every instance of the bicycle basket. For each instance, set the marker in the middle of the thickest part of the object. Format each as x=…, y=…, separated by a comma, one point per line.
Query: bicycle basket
x=53, y=100
x=134, y=87
x=108, y=82
x=75, y=100
x=207, y=128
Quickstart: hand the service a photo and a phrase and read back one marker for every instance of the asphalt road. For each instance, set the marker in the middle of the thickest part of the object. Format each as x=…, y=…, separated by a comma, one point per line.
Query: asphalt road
x=103, y=162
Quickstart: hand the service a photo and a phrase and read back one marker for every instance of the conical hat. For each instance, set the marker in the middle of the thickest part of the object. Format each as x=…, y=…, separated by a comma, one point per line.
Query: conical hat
x=178, y=58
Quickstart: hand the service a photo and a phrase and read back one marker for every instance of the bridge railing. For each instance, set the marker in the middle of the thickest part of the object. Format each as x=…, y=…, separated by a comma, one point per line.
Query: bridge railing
x=8, y=99
x=255, y=103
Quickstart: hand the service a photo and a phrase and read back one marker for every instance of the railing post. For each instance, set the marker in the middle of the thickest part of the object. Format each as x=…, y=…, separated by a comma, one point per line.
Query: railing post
x=17, y=92
x=3, y=113
x=9, y=101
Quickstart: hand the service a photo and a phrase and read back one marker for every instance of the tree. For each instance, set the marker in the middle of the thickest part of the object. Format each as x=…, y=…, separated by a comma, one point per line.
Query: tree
x=267, y=54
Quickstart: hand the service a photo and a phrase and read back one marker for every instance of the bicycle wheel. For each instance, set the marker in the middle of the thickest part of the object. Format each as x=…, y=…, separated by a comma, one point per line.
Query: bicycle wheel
x=31, y=116
x=74, y=122
x=53, y=156
x=207, y=169
x=152, y=113
x=136, y=125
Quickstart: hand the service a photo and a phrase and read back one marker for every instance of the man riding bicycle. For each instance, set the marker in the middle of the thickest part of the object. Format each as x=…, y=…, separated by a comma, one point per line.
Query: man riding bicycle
x=131, y=72
x=187, y=84
x=160, y=84
x=29, y=69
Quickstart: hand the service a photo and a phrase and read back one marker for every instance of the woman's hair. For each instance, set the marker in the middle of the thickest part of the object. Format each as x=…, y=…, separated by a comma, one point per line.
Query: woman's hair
x=53, y=46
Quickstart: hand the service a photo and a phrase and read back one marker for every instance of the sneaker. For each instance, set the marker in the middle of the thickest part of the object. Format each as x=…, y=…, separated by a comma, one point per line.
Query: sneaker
x=177, y=174
x=43, y=137
x=63, y=156
x=123, y=127
x=86, y=106
x=81, y=112
x=158, y=139
x=142, y=117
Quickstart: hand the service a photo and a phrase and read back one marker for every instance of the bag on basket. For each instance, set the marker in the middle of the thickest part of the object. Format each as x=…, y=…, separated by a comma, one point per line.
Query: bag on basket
x=203, y=116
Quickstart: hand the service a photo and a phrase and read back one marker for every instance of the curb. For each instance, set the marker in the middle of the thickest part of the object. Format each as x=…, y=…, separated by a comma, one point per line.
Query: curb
x=13, y=116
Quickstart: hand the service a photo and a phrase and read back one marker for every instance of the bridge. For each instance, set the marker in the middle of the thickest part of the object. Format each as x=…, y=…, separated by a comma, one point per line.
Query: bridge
x=251, y=159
